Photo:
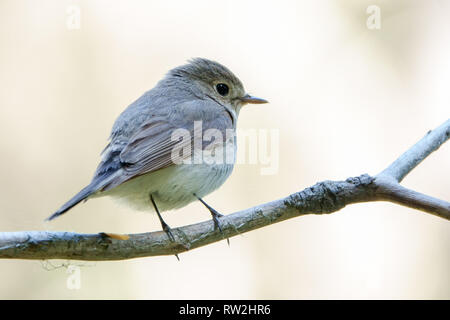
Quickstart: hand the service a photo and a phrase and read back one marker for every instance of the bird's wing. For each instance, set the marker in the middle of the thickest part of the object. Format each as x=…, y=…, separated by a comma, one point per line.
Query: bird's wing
x=150, y=149
x=157, y=145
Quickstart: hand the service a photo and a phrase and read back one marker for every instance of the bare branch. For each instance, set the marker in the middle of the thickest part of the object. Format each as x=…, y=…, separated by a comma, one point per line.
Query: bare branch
x=390, y=190
x=422, y=149
x=323, y=197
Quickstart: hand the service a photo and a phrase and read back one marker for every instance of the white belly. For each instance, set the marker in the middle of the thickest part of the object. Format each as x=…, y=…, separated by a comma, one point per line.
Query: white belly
x=172, y=187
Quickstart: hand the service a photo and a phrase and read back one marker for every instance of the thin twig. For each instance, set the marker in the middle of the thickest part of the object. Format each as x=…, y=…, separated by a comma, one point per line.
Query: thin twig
x=389, y=190
x=418, y=152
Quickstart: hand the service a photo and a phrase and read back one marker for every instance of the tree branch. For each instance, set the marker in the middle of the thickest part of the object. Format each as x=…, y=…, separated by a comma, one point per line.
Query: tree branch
x=323, y=197
x=389, y=190
x=422, y=149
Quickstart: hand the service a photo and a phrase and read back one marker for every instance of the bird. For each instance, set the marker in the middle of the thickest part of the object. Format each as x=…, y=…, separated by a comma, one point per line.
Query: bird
x=152, y=160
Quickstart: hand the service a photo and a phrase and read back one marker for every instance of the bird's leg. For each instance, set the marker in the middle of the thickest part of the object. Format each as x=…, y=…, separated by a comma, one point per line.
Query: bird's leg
x=164, y=225
x=215, y=216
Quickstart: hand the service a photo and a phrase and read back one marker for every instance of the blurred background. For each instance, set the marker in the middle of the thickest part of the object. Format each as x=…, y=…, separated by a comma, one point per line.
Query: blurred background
x=346, y=99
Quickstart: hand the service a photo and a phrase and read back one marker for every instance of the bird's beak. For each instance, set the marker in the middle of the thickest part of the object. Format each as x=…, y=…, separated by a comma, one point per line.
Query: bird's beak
x=251, y=99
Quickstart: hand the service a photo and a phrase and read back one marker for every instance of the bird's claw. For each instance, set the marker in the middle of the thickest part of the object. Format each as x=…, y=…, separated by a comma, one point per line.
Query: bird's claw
x=216, y=215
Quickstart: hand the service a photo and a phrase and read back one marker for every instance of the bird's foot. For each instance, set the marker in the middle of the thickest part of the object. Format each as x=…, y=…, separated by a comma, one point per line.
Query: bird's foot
x=215, y=216
x=170, y=235
x=168, y=231
x=164, y=225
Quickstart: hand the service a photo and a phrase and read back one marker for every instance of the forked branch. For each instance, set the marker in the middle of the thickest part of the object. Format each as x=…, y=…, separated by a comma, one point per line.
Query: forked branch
x=323, y=197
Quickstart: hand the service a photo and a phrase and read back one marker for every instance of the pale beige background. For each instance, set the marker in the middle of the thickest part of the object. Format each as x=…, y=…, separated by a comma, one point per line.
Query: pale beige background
x=346, y=100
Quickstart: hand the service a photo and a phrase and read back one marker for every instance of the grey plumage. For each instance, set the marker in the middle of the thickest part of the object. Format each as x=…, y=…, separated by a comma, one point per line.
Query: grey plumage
x=140, y=142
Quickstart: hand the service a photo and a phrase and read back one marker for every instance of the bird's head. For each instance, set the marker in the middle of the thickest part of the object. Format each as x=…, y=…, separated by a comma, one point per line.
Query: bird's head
x=210, y=80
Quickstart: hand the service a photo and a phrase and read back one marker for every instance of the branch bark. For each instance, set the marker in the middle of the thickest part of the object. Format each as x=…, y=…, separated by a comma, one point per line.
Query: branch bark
x=324, y=197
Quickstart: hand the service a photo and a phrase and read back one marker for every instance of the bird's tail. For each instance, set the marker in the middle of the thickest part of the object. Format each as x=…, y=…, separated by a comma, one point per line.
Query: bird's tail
x=80, y=196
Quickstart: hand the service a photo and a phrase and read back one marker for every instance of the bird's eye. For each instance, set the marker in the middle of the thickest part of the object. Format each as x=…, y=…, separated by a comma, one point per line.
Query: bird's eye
x=222, y=89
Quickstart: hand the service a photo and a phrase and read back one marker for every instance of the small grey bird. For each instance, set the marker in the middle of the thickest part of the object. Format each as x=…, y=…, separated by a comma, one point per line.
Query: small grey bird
x=138, y=165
